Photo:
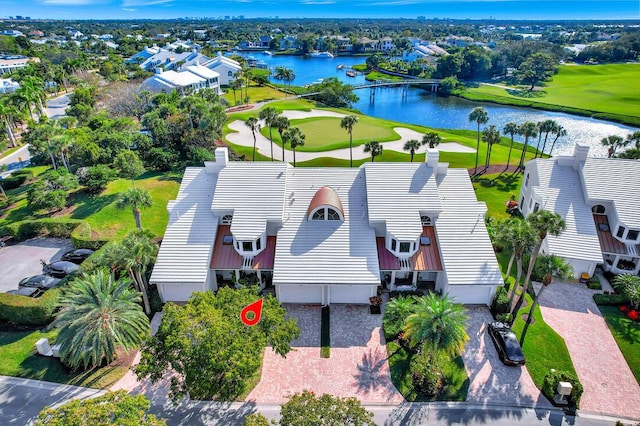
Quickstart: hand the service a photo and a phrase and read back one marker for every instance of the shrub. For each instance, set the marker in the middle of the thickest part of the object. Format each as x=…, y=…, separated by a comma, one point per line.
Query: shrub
x=610, y=299
x=500, y=304
x=554, y=377
x=81, y=238
x=425, y=376
x=594, y=283
x=95, y=178
x=24, y=172
x=39, y=198
x=160, y=160
x=505, y=317
x=13, y=182
x=256, y=419
x=58, y=228
x=28, y=310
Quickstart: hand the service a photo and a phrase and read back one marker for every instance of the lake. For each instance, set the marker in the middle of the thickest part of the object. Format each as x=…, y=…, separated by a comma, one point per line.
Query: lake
x=423, y=108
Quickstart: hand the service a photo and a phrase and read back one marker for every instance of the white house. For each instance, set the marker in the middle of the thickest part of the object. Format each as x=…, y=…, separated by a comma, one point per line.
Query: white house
x=8, y=86
x=422, y=51
x=167, y=59
x=327, y=235
x=10, y=63
x=598, y=199
x=226, y=67
x=193, y=78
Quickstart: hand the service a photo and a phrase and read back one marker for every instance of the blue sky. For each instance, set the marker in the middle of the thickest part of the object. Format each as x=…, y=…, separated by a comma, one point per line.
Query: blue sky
x=460, y=9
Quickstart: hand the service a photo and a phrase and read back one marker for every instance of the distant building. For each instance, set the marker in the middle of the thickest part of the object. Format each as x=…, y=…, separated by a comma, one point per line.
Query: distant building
x=154, y=57
x=12, y=33
x=226, y=67
x=10, y=63
x=192, y=79
x=8, y=86
x=423, y=51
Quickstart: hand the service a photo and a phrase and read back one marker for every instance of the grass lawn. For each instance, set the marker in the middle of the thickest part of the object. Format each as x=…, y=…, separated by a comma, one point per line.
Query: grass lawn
x=495, y=190
x=627, y=335
x=610, y=88
x=9, y=151
x=20, y=359
x=255, y=93
x=455, y=377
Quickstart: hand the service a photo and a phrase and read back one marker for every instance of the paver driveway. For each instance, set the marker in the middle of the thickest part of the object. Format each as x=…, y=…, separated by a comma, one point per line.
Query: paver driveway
x=492, y=382
x=357, y=367
x=609, y=385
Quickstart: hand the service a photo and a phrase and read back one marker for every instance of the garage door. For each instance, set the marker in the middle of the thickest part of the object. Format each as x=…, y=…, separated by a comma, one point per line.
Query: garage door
x=580, y=266
x=351, y=293
x=178, y=292
x=299, y=293
x=472, y=294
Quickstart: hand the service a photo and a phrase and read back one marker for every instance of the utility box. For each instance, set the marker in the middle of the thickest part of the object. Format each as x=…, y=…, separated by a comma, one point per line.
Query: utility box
x=43, y=347
x=562, y=391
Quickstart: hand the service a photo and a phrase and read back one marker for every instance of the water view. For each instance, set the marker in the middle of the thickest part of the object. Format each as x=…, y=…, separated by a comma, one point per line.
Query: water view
x=424, y=108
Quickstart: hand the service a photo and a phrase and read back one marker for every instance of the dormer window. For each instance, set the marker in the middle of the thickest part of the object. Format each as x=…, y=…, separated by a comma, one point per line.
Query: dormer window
x=598, y=209
x=405, y=247
x=325, y=205
x=227, y=219
x=426, y=220
x=632, y=235
x=318, y=215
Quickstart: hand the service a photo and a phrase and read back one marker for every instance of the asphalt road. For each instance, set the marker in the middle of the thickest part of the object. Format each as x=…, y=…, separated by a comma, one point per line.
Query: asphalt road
x=55, y=108
x=16, y=160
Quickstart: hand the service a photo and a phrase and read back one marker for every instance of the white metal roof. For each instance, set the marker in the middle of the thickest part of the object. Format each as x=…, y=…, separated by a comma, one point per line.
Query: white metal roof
x=222, y=60
x=202, y=71
x=156, y=84
x=467, y=253
x=187, y=245
x=616, y=180
x=397, y=192
x=560, y=191
x=254, y=192
x=331, y=252
x=181, y=79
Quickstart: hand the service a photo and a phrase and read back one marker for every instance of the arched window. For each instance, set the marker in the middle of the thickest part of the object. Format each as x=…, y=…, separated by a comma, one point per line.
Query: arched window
x=230, y=73
x=326, y=213
x=426, y=220
x=227, y=219
x=332, y=214
x=318, y=215
x=598, y=209
x=325, y=205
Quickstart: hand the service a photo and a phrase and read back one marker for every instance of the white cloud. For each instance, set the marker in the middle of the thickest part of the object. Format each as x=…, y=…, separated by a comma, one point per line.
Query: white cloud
x=142, y=3
x=68, y=2
x=318, y=2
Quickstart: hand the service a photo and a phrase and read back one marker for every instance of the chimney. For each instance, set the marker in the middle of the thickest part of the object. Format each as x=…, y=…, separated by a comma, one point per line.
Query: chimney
x=580, y=153
x=433, y=155
x=222, y=159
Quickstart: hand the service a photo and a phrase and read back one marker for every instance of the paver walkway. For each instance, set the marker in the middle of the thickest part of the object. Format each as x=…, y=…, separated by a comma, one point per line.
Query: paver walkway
x=357, y=367
x=492, y=382
x=609, y=386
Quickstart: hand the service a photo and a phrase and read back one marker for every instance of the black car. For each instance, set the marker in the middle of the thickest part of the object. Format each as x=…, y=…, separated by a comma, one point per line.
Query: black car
x=59, y=269
x=27, y=292
x=506, y=343
x=77, y=256
x=43, y=282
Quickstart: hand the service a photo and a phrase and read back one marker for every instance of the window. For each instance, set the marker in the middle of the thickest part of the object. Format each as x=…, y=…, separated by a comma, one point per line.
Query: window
x=632, y=235
x=526, y=180
x=530, y=203
x=230, y=73
x=425, y=241
x=227, y=219
x=522, y=201
x=536, y=207
x=247, y=246
x=318, y=215
x=620, y=232
x=405, y=247
x=598, y=209
x=393, y=245
x=227, y=240
x=332, y=214
x=258, y=244
x=426, y=220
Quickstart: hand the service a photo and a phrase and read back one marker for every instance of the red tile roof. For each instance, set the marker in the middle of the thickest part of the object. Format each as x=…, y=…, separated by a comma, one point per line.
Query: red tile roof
x=224, y=255
x=428, y=257
x=386, y=260
x=608, y=244
x=264, y=259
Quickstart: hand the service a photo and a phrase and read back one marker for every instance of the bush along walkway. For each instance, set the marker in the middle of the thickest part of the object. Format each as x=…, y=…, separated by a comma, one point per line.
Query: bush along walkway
x=325, y=333
x=609, y=385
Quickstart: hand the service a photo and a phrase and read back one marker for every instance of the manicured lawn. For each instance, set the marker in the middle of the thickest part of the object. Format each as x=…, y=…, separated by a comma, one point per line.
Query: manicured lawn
x=543, y=347
x=8, y=151
x=495, y=190
x=610, y=88
x=455, y=377
x=255, y=93
x=20, y=359
x=627, y=335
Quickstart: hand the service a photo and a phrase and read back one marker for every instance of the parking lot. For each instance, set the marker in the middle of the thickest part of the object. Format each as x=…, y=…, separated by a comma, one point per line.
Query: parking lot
x=23, y=259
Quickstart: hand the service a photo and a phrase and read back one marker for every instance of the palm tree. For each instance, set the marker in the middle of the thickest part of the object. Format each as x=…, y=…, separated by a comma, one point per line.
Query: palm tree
x=543, y=222
x=412, y=146
x=347, y=123
x=296, y=138
x=629, y=285
x=254, y=125
x=139, y=253
x=480, y=116
x=539, y=125
x=437, y=325
x=613, y=142
x=634, y=138
x=374, y=148
x=528, y=130
x=552, y=267
x=559, y=131
x=491, y=136
x=32, y=93
x=268, y=115
x=281, y=124
x=432, y=139
x=396, y=312
x=6, y=116
x=520, y=237
x=99, y=316
x=511, y=129
x=136, y=198
x=548, y=126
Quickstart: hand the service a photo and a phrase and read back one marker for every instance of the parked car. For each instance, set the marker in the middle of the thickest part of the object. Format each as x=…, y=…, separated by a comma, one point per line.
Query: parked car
x=506, y=343
x=27, y=292
x=59, y=269
x=77, y=256
x=43, y=282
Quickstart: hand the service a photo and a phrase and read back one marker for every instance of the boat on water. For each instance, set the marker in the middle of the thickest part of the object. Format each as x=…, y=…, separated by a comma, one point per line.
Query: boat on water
x=351, y=73
x=339, y=67
x=321, y=55
x=266, y=52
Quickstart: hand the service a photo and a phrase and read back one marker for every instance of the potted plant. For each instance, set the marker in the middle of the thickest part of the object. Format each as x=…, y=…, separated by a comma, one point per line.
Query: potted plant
x=374, y=304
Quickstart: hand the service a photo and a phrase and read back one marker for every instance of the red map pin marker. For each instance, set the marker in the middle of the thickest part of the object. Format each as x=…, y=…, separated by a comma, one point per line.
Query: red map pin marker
x=250, y=315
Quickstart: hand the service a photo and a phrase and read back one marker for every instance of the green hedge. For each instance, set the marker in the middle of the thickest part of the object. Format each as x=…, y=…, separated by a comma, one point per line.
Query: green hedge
x=610, y=299
x=28, y=310
x=25, y=229
x=24, y=172
x=13, y=182
x=81, y=238
x=551, y=381
x=500, y=304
